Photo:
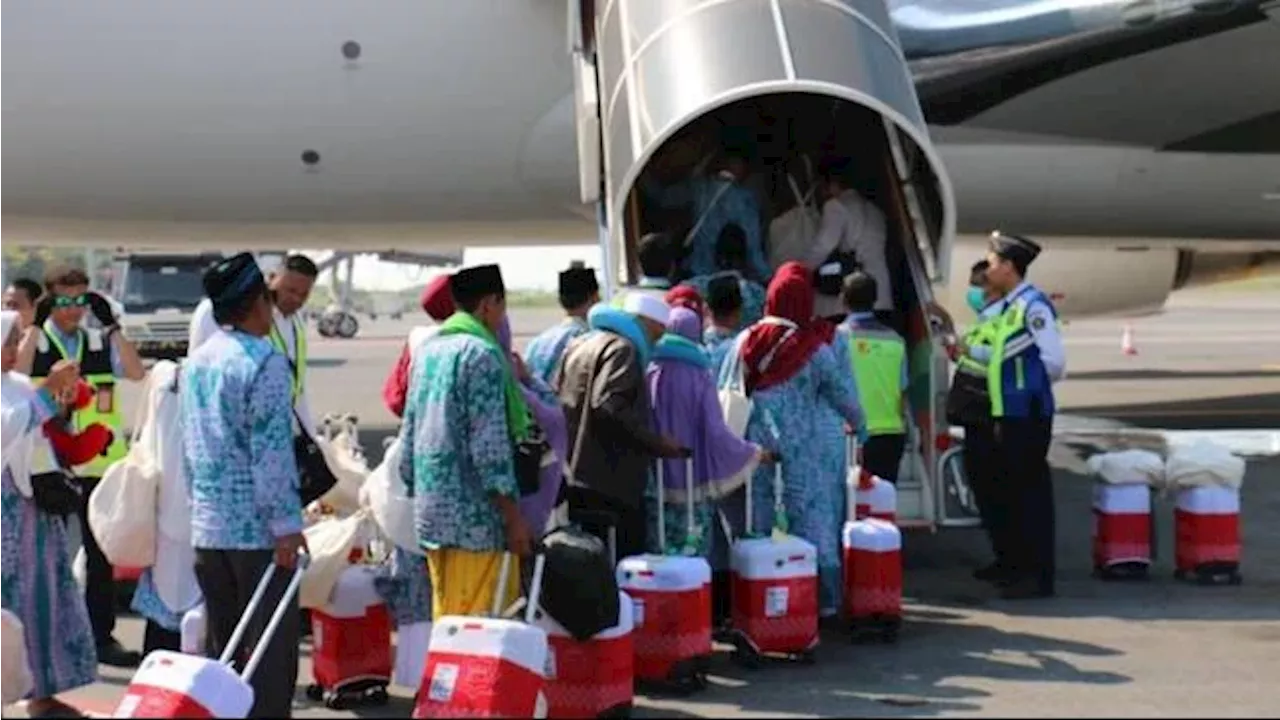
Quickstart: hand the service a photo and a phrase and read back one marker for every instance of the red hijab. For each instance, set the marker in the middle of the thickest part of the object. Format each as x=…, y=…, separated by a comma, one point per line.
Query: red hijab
x=686, y=296
x=789, y=297
x=437, y=299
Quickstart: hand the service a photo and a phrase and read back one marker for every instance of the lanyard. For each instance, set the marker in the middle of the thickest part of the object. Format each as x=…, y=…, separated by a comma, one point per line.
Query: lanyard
x=299, y=343
x=82, y=340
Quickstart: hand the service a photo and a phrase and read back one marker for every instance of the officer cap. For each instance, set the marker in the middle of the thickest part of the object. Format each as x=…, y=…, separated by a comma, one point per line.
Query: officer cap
x=1016, y=249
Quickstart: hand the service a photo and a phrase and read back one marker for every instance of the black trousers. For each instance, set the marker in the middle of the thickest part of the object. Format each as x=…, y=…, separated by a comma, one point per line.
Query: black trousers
x=882, y=456
x=596, y=512
x=99, y=586
x=1023, y=452
x=981, y=467
x=157, y=638
x=228, y=578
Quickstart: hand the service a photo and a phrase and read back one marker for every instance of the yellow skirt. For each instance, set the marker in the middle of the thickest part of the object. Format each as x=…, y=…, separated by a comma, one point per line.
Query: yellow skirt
x=463, y=582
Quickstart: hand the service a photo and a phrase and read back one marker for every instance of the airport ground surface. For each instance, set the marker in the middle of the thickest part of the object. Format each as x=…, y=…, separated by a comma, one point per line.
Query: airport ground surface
x=1159, y=648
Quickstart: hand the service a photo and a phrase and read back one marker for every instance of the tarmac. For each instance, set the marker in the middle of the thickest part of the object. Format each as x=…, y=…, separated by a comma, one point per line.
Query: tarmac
x=1207, y=367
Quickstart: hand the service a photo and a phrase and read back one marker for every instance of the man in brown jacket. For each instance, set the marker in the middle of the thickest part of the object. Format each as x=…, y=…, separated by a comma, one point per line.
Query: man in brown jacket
x=612, y=443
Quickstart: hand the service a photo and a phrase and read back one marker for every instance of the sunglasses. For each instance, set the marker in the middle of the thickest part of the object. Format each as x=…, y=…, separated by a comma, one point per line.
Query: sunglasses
x=66, y=301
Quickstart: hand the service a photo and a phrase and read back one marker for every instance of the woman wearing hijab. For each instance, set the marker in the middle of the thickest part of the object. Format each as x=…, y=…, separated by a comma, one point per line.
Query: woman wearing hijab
x=38, y=586
x=686, y=409
x=791, y=372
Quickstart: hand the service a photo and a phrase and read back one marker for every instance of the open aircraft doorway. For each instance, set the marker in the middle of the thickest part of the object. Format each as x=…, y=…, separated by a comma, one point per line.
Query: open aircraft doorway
x=663, y=87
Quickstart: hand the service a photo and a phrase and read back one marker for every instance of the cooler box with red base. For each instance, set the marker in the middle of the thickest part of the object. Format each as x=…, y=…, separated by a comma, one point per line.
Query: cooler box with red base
x=484, y=668
x=874, y=497
x=351, y=636
x=1207, y=534
x=672, y=605
x=774, y=594
x=176, y=685
x=1121, y=530
x=592, y=678
x=873, y=576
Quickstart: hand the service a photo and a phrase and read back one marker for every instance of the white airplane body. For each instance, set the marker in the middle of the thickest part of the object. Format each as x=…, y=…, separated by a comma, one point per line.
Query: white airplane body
x=432, y=124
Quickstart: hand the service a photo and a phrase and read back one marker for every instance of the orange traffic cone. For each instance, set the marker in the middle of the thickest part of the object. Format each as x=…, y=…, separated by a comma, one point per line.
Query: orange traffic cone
x=1126, y=341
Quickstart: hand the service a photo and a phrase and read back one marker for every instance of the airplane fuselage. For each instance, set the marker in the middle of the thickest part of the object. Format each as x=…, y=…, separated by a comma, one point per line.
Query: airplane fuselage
x=450, y=123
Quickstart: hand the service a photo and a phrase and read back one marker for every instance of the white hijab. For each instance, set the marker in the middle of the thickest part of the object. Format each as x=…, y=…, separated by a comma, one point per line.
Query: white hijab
x=19, y=395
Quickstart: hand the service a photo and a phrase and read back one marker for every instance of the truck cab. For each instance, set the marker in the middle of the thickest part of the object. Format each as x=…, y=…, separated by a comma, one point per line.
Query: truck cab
x=159, y=293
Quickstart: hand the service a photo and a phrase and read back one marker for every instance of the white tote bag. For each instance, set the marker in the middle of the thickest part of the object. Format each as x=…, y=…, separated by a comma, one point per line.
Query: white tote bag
x=173, y=573
x=392, y=509
x=329, y=543
x=122, y=508
x=734, y=402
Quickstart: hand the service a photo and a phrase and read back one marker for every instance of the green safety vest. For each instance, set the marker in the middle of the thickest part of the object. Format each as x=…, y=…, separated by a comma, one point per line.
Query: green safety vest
x=94, y=357
x=1012, y=322
x=877, y=357
x=980, y=333
x=299, y=364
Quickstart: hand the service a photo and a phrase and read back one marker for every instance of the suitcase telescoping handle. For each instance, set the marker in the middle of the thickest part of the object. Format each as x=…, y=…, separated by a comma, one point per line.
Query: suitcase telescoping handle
x=662, y=505
x=260, y=649
x=779, y=506
x=535, y=587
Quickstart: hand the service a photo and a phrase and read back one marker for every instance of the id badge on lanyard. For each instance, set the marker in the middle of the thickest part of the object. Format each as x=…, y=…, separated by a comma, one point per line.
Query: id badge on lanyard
x=106, y=394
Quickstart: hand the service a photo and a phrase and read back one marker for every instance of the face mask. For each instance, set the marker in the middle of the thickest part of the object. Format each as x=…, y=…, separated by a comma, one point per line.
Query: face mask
x=976, y=299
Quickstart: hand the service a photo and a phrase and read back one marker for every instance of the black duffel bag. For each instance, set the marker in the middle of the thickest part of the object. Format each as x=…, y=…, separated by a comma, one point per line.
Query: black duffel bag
x=57, y=492
x=579, y=588
x=968, y=400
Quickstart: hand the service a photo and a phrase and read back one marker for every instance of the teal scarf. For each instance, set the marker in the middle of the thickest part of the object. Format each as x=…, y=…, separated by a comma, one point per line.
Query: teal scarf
x=462, y=323
x=604, y=317
x=681, y=349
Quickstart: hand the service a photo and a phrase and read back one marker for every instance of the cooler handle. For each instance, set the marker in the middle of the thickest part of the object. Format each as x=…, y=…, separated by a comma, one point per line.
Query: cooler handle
x=535, y=588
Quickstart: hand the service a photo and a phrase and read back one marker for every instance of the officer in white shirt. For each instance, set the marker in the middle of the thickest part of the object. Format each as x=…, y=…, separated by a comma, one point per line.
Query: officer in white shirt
x=1025, y=359
x=851, y=223
x=290, y=287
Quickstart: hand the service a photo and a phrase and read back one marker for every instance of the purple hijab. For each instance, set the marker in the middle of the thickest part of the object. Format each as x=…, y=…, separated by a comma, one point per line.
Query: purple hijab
x=546, y=411
x=687, y=409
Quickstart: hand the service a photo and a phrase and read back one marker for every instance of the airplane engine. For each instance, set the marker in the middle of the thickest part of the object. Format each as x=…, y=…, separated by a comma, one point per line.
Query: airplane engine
x=663, y=85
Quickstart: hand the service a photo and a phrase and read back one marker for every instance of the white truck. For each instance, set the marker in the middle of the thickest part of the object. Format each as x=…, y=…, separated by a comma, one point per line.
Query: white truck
x=159, y=292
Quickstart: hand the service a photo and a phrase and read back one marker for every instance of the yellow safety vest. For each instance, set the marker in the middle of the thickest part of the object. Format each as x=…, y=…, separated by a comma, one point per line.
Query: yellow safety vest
x=877, y=357
x=299, y=364
x=94, y=357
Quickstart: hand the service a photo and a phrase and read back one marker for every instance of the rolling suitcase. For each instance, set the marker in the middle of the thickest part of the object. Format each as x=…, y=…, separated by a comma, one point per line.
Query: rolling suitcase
x=175, y=685
x=487, y=667
x=671, y=601
x=774, y=589
x=351, y=643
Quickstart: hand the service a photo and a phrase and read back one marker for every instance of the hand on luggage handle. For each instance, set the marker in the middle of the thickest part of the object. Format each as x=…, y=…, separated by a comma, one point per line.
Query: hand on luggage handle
x=242, y=626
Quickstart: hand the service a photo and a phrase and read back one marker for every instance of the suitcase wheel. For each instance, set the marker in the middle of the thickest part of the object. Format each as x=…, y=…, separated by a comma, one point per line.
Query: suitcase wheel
x=622, y=711
x=315, y=693
x=337, y=701
x=1123, y=572
x=807, y=657
x=377, y=696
